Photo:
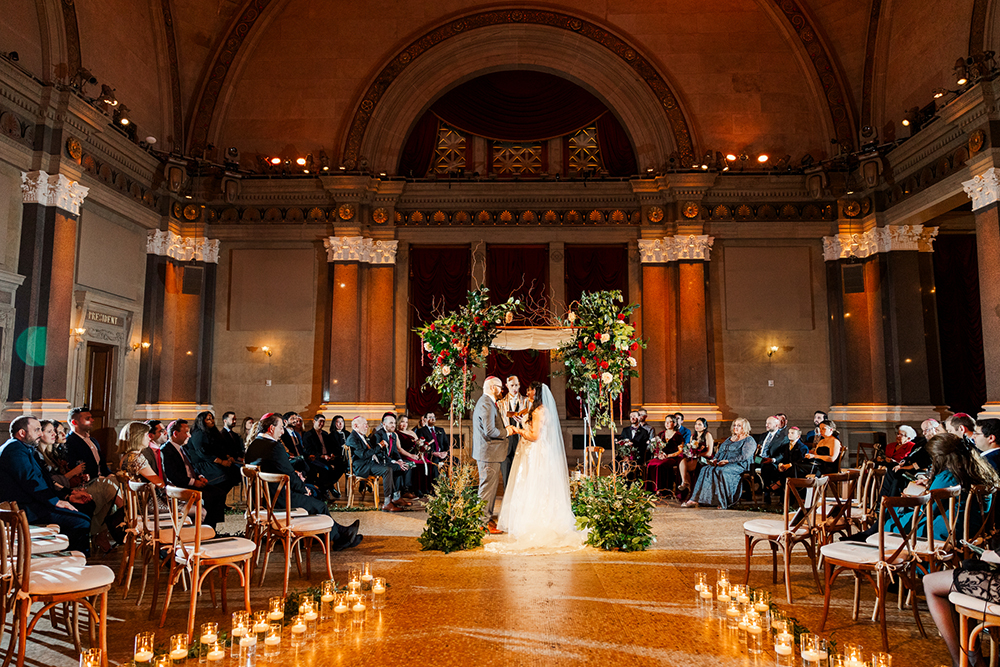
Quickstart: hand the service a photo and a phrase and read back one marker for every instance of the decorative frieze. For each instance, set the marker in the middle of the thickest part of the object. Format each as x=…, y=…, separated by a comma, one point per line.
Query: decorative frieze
x=360, y=249
x=983, y=190
x=174, y=246
x=676, y=248
x=880, y=239
x=38, y=187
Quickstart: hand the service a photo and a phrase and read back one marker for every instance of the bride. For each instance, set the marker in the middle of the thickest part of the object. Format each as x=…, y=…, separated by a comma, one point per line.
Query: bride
x=536, y=510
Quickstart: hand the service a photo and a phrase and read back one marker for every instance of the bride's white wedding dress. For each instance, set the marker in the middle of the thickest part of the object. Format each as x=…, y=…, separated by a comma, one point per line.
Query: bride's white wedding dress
x=537, y=514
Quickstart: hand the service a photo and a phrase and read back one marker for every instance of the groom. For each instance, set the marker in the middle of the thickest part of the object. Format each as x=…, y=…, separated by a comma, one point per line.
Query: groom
x=489, y=446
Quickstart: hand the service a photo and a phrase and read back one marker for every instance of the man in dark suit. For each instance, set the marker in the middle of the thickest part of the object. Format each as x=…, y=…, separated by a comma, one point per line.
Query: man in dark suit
x=371, y=461
x=325, y=456
x=294, y=444
x=637, y=436
x=232, y=439
x=436, y=436
x=987, y=434
x=180, y=472
x=82, y=448
x=269, y=454
x=23, y=481
x=386, y=438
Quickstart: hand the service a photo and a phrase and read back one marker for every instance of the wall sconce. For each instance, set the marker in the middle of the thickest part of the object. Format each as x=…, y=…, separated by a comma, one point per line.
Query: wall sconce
x=771, y=351
x=265, y=349
x=78, y=333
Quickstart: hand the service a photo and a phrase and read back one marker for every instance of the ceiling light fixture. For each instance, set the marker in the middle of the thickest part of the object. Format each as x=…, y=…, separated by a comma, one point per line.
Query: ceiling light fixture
x=762, y=158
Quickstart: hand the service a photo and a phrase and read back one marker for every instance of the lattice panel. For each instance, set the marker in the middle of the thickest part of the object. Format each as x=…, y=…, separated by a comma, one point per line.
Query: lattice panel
x=583, y=151
x=517, y=159
x=449, y=155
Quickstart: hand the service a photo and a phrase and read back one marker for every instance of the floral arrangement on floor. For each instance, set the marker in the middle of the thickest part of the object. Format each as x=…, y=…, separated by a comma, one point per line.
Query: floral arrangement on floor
x=454, y=513
x=618, y=513
x=600, y=357
x=459, y=340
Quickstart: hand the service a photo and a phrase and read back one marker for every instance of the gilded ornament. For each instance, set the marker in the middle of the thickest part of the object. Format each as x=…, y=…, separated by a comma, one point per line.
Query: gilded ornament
x=74, y=149
x=417, y=217
x=654, y=214
x=346, y=212
x=484, y=218
x=618, y=216
x=506, y=217
x=691, y=210
x=460, y=218
x=852, y=208
x=572, y=218
x=595, y=216
x=528, y=217
x=550, y=217
x=380, y=216
x=177, y=210
x=976, y=141
x=440, y=217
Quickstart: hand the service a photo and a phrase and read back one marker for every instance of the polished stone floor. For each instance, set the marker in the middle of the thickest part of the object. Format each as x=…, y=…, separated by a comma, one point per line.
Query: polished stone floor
x=590, y=607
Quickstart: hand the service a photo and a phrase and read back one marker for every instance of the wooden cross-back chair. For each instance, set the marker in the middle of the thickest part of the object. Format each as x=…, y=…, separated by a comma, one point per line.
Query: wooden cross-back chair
x=354, y=483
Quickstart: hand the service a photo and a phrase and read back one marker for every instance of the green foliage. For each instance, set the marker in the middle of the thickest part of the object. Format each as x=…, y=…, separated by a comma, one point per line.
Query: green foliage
x=599, y=358
x=454, y=513
x=459, y=340
x=618, y=513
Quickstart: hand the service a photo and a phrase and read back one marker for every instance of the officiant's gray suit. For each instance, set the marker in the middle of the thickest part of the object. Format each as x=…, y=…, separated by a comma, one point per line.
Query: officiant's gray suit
x=489, y=448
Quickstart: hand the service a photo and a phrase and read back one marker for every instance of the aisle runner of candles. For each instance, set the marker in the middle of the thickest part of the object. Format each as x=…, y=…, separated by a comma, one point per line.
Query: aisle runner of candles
x=285, y=627
x=750, y=622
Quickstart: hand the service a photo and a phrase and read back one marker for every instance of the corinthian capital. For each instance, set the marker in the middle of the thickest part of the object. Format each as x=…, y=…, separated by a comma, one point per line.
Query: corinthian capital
x=38, y=187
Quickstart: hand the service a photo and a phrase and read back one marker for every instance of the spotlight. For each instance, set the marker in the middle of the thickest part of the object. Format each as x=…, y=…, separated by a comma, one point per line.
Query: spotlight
x=939, y=93
x=122, y=115
x=275, y=161
x=107, y=95
x=649, y=170
x=301, y=161
x=730, y=157
x=704, y=167
x=906, y=122
x=961, y=72
x=807, y=160
x=232, y=156
x=151, y=140
x=324, y=160
x=762, y=158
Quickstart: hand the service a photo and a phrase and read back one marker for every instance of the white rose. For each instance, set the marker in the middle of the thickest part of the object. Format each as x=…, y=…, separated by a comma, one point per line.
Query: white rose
x=605, y=337
x=427, y=346
x=509, y=318
x=571, y=317
x=606, y=378
x=632, y=362
x=446, y=370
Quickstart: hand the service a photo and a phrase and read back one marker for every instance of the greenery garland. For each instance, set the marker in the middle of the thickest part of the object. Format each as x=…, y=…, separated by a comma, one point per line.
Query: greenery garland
x=454, y=513
x=619, y=514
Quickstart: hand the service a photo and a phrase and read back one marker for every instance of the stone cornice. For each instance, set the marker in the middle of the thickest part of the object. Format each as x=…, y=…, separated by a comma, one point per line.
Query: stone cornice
x=694, y=247
x=38, y=187
x=360, y=249
x=983, y=190
x=880, y=239
x=174, y=246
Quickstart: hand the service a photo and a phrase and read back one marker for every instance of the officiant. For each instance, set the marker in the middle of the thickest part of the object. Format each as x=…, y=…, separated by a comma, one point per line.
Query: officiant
x=513, y=403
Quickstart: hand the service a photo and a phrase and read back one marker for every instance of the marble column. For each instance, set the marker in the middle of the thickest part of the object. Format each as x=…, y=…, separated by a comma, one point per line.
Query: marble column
x=43, y=303
x=175, y=362
x=557, y=288
x=985, y=193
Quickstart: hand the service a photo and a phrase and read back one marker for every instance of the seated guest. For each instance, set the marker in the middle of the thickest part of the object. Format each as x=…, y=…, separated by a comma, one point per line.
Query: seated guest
x=82, y=447
x=425, y=471
x=435, y=434
x=700, y=447
x=961, y=425
x=643, y=416
x=22, y=481
x=825, y=455
x=295, y=444
x=634, y=438
x=681, y=428
x=138, y=459
x=774, y=439
x=268, y=453
x=668, y=456
x=207, y=452
x=155, y=439
x=898, y=475
x=234, y=447
x=976, y=579
x=895, y=452
x=324, y=457
x=245, y=431
x=813, y=436
x=372, y=461
x=987, y=434
x=180, y=472
x=719, y=481
x=785, y=461
x=62, y=475
x=386, y=437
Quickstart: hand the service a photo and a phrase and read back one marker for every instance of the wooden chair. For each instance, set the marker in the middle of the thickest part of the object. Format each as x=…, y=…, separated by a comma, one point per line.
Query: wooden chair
x=354, y=482
x=982, y=503
x=799, y=526
x=210, y=554
x=930, y=551
x=866, y=452
x=281, y=526
x=836, y=517
x=594, y=455
x=25, y=582
x=969, y=609
x=884, y=560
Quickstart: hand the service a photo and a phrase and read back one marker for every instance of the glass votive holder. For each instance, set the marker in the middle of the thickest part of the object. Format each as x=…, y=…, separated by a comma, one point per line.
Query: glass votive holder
x=276, y=609
x=741, y=630
x=143, y=654
x=178, y=651
x=366, y=577
x=880, y=659
x=732, y=614
x=854, y=655
x=162, y=661
x=779, y=622
x=308, y=612
x=298, y=630
x=378, y=593
x=762, y=602
x=354, y=577
x=209, y=635
x=91, y=657
x=814, y=650
x=327, y=599
x=722, y=590
x=246, y=648
x=215, y=653
x=240, y=627
x=755, y=635
x=341, y=613
x=742, y=593
x=358, y=611
x=699, y=582
x=260, y=623
x=272, y=642
x=784, y=650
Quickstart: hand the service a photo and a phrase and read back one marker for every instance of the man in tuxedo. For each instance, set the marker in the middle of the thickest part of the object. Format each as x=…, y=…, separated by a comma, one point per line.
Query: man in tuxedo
x=234, y=443
x=324, y=455
x=637, y=436
x=293, y=441
x=22, y=480
x=987, y=434
x=81, y=447
x=269, y=454
x=179, y=471
x=434, y=435
x=372, y=461
x=509, y=405
x=385, y=437
x=775, y=440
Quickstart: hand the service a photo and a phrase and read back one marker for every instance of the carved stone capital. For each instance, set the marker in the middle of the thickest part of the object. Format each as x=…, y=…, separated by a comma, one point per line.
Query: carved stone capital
x=696, y=247
x=983, y=190
x=360, y=249
x=174, y=246
x=38, y=187
x=881, y=239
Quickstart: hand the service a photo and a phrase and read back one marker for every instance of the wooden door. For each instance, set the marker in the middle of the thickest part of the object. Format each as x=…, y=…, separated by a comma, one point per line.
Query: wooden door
x=100, y=393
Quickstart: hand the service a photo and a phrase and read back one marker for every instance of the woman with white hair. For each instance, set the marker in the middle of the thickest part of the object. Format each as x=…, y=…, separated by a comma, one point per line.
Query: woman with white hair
x=899, y=450
x=719, y=480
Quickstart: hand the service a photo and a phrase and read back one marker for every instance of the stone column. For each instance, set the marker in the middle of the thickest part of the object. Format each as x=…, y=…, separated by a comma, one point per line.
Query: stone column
x=175, y=368
x=43, y=304
x=985, y=193
x=557, y=288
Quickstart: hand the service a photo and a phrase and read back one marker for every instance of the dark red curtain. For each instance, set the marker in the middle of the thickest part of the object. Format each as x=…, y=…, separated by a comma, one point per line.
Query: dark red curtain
x=615, y=146
x=419, y=149
x=439, y=280
x=960, y=327
x=592, y=268
x=521, y=272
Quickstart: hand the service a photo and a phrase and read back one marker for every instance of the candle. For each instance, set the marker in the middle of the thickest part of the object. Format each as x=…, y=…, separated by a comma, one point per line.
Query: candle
x=743, y=598
x=760, y=607
x=310, y=615
x=298, y=628
x=144, y=655
x=275, y=615
x=359, y=612
x=209, y=639
x=178, y=654
x=238, y=631
x=783, y=649
x=272, y=641
x=216, y=655
x=341, y=607
x=143, y=647
x=248, y=640
x=785, y=638
x=178, y=647
x=327, y=597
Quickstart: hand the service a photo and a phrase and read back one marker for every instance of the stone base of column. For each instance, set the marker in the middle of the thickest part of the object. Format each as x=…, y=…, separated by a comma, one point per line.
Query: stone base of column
x=990, y=411
x=894, y=414
x=170, y=411
x=41, y=409
x=370, y=411
x=691, y=411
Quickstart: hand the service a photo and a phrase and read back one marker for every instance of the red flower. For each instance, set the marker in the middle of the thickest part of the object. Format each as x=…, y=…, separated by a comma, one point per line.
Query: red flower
x=591, y=347
x=621, y=316
x=583, y=360
x=604, y=365
x=430, y=356
x=594, y=376
x=432, y=326
x=580, y=344
x=453, y=328
x=635, y=346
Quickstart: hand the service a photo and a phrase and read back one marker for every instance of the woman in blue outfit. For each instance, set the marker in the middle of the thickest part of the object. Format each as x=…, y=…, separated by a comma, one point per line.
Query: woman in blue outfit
x=719, y=481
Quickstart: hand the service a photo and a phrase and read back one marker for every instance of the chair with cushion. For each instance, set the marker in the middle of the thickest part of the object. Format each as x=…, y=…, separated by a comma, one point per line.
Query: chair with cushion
x=979, y=518
x=201, y=556
x=839, y=505
x=983, y=616
x=281, y=526
x=354, y=483
x=798, y=526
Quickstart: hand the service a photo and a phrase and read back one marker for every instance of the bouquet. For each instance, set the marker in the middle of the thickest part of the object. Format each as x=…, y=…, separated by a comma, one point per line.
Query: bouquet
x=626, y=449
x=657, y=448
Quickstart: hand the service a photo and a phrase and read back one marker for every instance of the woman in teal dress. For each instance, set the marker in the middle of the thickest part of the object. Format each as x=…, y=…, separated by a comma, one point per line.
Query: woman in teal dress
x=719, y=481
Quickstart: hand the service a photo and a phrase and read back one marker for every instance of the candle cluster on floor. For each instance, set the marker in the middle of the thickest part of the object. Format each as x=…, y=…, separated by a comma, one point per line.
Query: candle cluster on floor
x=749, y=622
x=268, y=634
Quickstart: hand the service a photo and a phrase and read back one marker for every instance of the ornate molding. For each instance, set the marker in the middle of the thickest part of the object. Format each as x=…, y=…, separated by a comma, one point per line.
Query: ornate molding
x=174, y=246
x=983, y=190
x=360, y=249
x=56, y=190
x=881, y=239
x=676, y=248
